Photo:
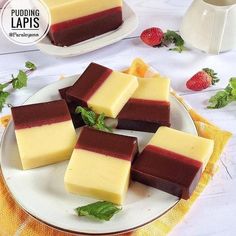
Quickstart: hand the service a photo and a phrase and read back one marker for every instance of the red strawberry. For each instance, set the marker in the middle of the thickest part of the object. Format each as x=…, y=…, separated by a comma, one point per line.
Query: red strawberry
x=152, y=36
x=202, y=80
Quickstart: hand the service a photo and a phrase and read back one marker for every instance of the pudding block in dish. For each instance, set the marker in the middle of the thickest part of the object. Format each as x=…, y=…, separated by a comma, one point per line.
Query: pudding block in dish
x=100, y=165
x=173, y=161
x=74, y=21
x=44, y=133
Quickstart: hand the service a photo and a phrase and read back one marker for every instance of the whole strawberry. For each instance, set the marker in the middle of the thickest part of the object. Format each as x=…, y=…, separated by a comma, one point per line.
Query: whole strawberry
x=152, y=36
x=202, y=80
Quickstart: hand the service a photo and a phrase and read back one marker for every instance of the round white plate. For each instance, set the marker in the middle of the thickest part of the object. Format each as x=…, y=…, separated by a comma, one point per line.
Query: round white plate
x=42, y=194
x=130, y=23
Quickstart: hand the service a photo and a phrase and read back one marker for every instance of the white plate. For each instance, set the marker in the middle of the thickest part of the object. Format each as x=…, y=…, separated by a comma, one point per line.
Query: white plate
x=42, y=194
x=129, y=25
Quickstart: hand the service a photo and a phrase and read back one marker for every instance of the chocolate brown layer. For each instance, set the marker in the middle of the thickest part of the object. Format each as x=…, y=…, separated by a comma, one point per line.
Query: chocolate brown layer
x=76, y=118
x=146, y=110
x=78, y=30
x=40, y=114
x=167, y=171
x=137, y=125
x=109, y=144
x=63, y=92
x=84, y=88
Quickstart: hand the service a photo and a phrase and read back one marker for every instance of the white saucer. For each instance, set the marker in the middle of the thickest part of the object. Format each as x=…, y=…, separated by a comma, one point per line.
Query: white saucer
x=41, y=191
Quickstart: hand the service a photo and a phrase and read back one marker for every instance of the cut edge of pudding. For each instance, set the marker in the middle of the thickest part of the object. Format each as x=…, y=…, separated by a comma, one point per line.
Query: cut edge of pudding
x=174, y=173
x=148, y=108
x=106, y=91
x=101, y=169
x=179, y=158
x=97, y=184
x=39, y=128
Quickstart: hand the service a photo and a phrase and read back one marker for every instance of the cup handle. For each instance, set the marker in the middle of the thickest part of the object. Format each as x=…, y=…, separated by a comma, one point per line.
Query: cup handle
x=218, y=31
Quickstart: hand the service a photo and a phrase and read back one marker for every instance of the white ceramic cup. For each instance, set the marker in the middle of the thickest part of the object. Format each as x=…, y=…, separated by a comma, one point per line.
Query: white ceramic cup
x=210, y=25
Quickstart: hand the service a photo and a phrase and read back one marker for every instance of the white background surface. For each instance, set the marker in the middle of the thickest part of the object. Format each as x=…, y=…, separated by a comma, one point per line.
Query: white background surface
x=215, y=211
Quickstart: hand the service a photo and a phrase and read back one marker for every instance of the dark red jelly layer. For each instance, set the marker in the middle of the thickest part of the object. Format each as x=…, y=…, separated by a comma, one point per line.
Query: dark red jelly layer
x=109, y=144
x=76, y=118
x=84, y=88
x=40, y=114
x=146, y=110
x=167, y=171
x=74, y=31
x=144, y=126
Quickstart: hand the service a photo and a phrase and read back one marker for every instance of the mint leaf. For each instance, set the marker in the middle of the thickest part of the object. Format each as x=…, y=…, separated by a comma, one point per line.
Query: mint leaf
x=30, y=65
x=20, y=81
x=88, y=116
x=3, y=86
x=178, y=49
x=228, y=89
x=171, y=37
x=3, y=99
x=224, y=97
x=101, y=210
x=232, y=82
x=233, y=93
x=100, y=124
x=221, y=99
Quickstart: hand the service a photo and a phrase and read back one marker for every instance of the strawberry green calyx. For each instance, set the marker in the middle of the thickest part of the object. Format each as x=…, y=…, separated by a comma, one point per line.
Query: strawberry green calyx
x=212, y=74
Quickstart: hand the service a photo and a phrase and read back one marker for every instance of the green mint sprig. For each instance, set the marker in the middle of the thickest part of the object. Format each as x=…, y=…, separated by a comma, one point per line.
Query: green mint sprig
x=30, y=65
x=3, y=99
x=171, y=37
x=101, y=210
x=224, y=97
x=17, y=82
x=90, y=118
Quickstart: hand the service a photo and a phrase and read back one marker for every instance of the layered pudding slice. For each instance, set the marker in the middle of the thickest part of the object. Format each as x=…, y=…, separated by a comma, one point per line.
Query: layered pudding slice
x=100, y=165
x=103, y=90
x=74, y=21
x=44, y=133
x=173, y=161
x=76, y=118
x=149, y=106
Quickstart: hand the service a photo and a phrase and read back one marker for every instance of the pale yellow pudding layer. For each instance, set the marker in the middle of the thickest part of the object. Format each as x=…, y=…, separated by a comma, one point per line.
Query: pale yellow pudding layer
x=113, y=94
x=98, y=176
x=189, y=145
x=154, y=88
x=47, y=144
x=64, y=10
